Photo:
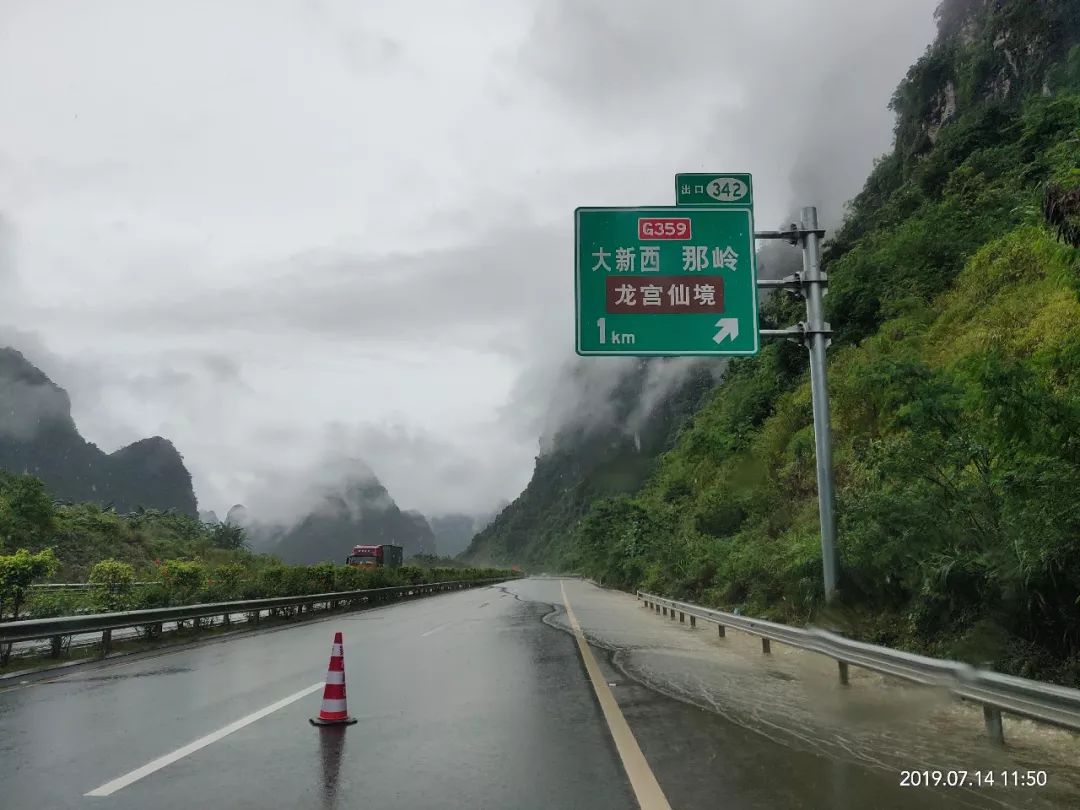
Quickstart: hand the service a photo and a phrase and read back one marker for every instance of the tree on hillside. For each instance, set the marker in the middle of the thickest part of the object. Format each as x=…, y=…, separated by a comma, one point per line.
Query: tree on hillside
x=1061, y=207
x=27, y=516
x=226, y=535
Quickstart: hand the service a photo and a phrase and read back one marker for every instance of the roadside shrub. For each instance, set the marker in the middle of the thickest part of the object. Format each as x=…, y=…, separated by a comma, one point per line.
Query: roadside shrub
x=349, y=578
x=17, y=572
x=411, y=575
x=114, y=585
x=183, y=578
x=296, y=581
x=381, y=578
x=152, y=596
x=321, y=577
x=270, y=581
x=228, y=579
x=47, y=604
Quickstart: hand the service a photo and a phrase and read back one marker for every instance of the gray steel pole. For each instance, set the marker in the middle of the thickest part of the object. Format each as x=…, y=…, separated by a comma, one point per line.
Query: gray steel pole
x=816, y=342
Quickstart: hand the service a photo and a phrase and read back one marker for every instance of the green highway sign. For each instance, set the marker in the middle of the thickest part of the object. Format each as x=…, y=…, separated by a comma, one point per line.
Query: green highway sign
x=729, y=190
x=665, y=281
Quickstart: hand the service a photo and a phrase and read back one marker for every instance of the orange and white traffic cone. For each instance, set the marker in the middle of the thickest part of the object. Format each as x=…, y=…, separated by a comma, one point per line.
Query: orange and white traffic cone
x=333, y=711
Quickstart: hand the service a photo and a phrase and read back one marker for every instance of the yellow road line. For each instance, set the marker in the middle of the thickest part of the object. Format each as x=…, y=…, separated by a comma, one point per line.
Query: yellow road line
x=642, y=780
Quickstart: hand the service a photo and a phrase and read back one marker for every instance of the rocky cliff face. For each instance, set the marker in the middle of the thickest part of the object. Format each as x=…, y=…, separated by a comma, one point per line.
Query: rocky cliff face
x=988, y=52
x=39, y=437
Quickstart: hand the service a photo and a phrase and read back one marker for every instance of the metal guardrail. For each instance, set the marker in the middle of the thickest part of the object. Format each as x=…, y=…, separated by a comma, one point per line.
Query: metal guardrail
x=55, y=629
x=1046, y=703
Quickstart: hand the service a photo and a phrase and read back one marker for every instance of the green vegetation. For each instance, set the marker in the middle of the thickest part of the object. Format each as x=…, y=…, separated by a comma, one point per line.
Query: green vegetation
x=182, y=560
x=188, y=582
x=114, y=583
x=955, y=387
x=84, y=534
x=18, y=572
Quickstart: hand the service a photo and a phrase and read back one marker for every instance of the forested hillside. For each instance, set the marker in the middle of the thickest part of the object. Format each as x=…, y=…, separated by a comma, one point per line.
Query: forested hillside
x=955, y=389
x=83, y=534
x=612, y=455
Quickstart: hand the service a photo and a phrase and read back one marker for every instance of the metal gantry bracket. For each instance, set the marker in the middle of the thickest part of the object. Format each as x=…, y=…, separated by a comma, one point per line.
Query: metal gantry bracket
x=799, y=333
x=793, y=333
x=792, y=283
x=797, y=283
x=793, y=235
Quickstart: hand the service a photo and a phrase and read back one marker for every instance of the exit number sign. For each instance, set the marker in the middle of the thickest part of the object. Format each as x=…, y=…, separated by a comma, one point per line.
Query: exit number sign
x=718, y=189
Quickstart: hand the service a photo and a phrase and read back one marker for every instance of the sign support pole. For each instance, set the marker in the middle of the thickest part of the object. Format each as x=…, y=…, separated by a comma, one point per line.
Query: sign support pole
x=815, y=335
x=817, y=340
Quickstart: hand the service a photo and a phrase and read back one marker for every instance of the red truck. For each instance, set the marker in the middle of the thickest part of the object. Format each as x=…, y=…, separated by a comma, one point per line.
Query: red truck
x=381, y=556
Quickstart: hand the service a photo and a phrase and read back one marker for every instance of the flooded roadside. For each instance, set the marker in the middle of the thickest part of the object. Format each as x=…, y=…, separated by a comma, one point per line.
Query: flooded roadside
x=794, y=699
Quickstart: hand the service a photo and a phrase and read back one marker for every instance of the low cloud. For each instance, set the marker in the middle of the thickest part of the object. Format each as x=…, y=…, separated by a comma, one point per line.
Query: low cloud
x=419, y=470
x=249, y=255
x=484, y=296
x=25, y=408
x=662, y=379
x=577, y=394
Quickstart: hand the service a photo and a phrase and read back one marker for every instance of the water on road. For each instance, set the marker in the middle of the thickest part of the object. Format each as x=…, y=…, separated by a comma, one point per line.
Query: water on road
x=479, y=699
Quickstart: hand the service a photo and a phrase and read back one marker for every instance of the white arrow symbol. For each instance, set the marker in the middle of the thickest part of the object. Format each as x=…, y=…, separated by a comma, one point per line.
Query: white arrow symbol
x=729, y=328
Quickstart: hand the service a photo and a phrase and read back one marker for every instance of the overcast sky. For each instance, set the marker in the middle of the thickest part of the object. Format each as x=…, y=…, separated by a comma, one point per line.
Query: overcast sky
x=281, y=231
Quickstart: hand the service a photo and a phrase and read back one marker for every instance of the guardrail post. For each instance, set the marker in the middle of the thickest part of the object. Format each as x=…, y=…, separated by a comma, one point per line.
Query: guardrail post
x=226, y=619
x=106, y=641
x=992, y=716
x=693, y=621
x=55, y=644
x=682, y=617
x=843, y=672
x=673, y=614
x=720, y=631
x=766, y=646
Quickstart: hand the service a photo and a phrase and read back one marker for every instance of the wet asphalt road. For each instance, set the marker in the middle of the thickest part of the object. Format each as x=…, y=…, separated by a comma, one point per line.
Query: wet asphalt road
x=465, y=700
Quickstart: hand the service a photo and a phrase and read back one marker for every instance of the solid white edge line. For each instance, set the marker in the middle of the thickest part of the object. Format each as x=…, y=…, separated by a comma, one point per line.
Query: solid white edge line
x=642, y=780
x=110, y=788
